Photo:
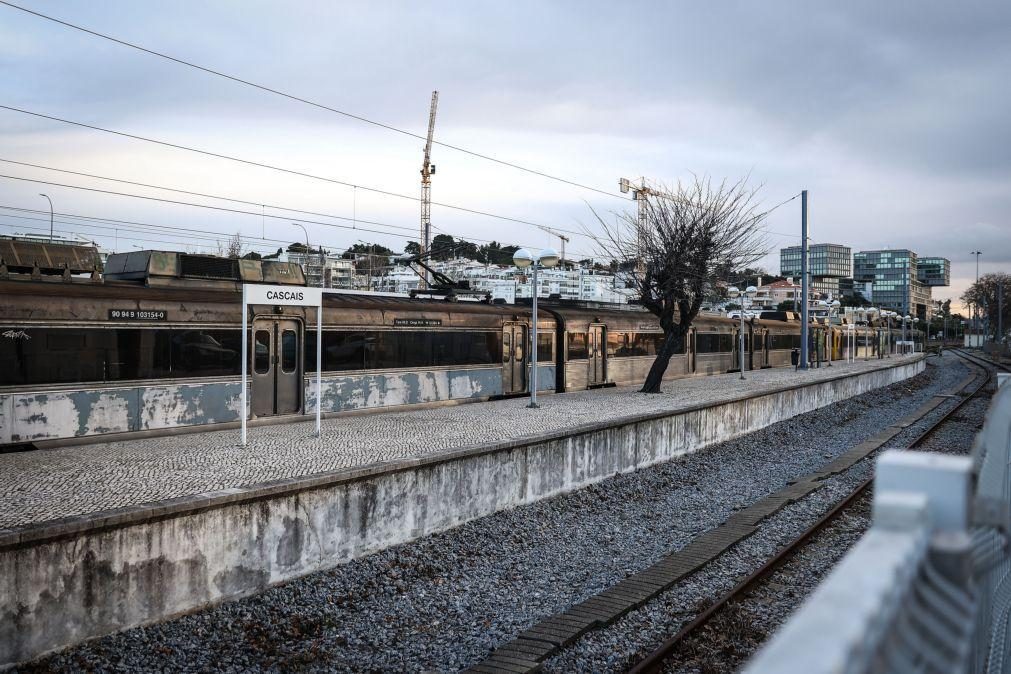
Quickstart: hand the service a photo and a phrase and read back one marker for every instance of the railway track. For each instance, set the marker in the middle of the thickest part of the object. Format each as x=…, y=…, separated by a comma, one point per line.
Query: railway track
x=656, y=660
x=531, y=650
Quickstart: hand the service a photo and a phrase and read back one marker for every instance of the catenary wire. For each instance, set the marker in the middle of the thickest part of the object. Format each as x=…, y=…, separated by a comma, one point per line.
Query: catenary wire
x=250, y=162
x=307, y=101
x=206, y=195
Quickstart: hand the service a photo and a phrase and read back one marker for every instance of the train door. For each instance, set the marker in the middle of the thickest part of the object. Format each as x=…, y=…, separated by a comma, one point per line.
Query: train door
x=514, y=354
x=277, y=366
x=597, y=353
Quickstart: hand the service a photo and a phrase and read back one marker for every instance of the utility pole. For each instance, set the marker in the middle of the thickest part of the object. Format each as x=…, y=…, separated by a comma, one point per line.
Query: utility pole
x=975, y=305
x=427, y=171
x=804, y=290
x=1000, y=314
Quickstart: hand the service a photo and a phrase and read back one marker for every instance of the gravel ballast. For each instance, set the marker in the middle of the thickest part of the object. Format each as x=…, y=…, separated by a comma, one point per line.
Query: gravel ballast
x=443, y=602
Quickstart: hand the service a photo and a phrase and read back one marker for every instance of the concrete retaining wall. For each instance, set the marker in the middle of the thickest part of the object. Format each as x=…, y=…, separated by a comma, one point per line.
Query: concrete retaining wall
x=67, y=581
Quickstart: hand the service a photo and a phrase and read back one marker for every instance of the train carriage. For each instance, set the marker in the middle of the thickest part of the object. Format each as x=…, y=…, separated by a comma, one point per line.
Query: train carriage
x=155, y=347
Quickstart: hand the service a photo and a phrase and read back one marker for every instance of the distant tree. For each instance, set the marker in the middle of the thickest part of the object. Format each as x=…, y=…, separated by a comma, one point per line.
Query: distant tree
x=252, y=255
x=986, y=295
x=360, y=249
x=234, y=248
x=412, y=248
x=274, y=256
x=692, y=231
x=443, y=247
x=297, y=247
x=853, y=299
x=786, y=305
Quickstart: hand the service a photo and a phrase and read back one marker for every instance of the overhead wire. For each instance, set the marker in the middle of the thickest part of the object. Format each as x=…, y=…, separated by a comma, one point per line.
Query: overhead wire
x=250, y=162
x=306, y=101
x=142, y=228
x=205, y=195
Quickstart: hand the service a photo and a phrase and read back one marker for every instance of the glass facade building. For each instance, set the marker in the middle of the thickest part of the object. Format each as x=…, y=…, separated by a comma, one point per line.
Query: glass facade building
x=894, y=279
x=933, y=271
x=825, y=259
x=828, y=262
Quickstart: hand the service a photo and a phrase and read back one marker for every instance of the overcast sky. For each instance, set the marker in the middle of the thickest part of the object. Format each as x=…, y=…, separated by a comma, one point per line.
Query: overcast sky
x=895, y=116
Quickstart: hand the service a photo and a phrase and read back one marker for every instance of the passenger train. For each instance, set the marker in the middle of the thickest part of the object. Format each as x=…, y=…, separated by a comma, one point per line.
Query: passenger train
x=153, y=346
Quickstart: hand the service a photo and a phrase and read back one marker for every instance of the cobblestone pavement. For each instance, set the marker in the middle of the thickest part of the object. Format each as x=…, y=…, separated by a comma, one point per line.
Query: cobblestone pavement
x=49, y=484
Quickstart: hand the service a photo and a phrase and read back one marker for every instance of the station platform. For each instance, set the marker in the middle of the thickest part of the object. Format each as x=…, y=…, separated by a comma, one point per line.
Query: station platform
x=45, y=485
x=101, y=537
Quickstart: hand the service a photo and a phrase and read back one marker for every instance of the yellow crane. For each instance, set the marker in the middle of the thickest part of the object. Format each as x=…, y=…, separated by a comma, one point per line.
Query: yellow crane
x=427, y=171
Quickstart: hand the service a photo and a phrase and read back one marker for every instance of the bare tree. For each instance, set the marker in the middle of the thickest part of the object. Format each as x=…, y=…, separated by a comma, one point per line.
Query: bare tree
x=691, y=232
x=992, y=297
x=234, y=249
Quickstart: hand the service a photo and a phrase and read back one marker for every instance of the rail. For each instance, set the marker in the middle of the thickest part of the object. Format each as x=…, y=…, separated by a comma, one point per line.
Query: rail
x=928, y=588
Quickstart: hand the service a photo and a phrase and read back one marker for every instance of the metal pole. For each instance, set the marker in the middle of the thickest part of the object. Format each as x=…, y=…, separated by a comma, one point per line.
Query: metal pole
x=533, y=345
x=245, y=363
x=319, y=367
x=741, y=340
x=803, y=282
x=51, y=216
x=1000, y=313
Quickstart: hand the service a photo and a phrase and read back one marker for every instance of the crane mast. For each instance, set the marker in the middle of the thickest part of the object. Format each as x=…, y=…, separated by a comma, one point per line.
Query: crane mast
x=564, y=239
x=427, y=171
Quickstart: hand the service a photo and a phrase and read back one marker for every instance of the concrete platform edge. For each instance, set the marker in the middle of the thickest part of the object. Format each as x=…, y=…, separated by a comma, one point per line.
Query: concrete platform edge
x=69, y=580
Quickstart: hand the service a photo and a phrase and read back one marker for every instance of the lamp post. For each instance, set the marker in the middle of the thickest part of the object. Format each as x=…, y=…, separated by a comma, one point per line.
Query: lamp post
x=302, y=227
x=912, y=337
x=870, y=312
x=524, y=258
x=733, y=292
x=51, y=221
x=887, y=315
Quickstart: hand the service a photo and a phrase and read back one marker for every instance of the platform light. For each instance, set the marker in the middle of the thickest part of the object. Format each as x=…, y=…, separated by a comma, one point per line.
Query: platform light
x=523, y=258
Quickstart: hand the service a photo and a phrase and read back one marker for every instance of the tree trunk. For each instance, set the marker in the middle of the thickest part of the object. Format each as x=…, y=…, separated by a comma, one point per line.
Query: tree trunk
x=671, y=346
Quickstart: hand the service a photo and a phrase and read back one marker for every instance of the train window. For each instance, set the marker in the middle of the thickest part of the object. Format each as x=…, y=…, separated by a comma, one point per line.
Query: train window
x=759, y=341
x=577, y=346
x=261, y=352
x=208, y=353
x=617, y=344
x=115, y=354
x=346, y=351
x=545, y=347
x=289, y=351
x=507, y=346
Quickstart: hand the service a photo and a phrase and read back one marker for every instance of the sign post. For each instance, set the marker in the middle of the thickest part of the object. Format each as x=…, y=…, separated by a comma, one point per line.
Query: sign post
x=255, y=294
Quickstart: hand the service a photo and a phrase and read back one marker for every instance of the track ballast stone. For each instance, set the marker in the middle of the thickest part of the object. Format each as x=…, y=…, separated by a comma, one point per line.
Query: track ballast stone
x=444, y=602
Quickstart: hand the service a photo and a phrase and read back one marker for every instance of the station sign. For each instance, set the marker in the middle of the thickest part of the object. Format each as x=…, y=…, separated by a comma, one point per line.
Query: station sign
x=298, y=296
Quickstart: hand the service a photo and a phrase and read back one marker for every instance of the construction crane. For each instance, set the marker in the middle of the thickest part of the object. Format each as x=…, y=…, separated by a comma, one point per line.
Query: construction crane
x=427, y=171
x=561, y=236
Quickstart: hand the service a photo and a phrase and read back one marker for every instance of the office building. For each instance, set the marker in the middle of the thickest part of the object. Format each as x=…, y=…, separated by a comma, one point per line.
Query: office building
x=894, y=280
x=827, y=263
x=933, y=271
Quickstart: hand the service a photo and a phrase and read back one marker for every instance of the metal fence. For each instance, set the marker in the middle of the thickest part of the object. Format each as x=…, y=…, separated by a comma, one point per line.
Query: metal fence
x=928, y=587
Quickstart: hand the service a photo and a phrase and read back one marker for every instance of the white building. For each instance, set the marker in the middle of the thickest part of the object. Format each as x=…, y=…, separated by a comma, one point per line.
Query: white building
x=510, y=283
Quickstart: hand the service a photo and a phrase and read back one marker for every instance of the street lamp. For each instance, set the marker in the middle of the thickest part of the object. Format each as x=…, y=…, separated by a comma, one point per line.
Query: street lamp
x=523, y=258
x=912, y=338
x=302, y=227
x=51, y=218
x=733, y=292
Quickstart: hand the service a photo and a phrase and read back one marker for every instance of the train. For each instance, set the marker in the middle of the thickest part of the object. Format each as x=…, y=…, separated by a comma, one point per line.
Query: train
x=152, y=346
